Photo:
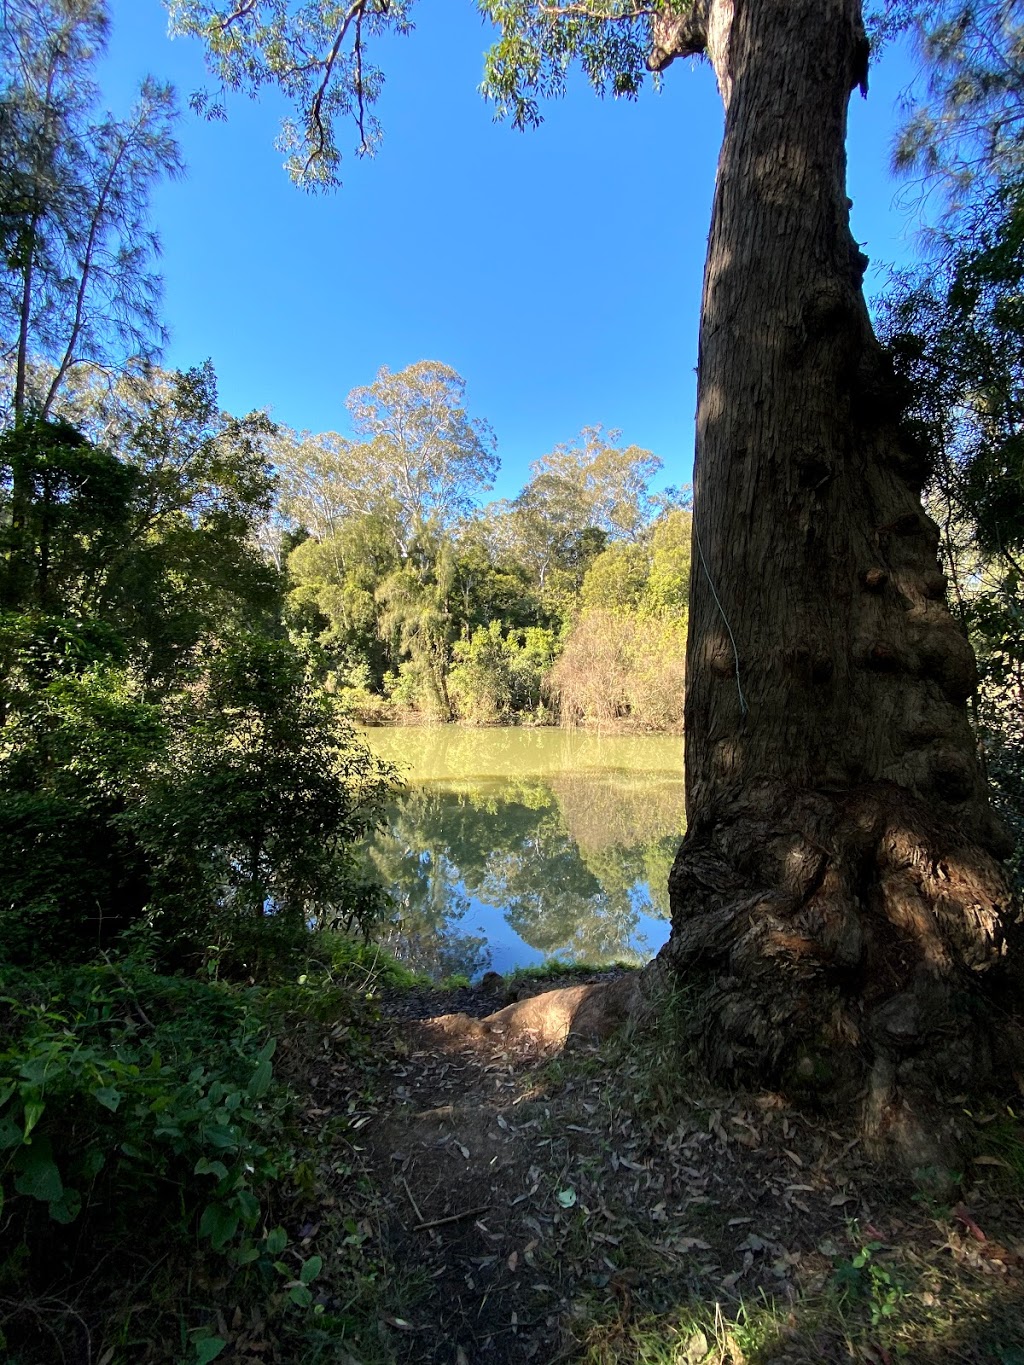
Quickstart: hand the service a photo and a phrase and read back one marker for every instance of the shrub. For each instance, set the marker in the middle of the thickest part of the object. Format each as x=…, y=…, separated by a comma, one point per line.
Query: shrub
x=621, y=669
x=138, y=1108
x=498, y=673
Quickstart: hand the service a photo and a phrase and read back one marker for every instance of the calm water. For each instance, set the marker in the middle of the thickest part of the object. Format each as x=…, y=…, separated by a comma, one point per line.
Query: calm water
x=509, y=847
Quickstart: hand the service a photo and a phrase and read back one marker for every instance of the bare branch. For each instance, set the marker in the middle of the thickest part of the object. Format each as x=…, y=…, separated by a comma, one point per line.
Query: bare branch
x=245, y=8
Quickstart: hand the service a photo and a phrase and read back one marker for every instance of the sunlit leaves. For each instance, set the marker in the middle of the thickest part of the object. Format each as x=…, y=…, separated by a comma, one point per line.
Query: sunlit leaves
x=318, y=53
x=539, y=42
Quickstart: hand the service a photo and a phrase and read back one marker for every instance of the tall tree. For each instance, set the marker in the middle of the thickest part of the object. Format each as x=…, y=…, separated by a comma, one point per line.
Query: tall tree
x=838, y=901
x=429, y=458
x=76, y=284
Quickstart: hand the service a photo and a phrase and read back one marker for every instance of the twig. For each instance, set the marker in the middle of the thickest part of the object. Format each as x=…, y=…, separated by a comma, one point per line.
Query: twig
x=412, y=1201
x=452, y=1218
x=135, y=999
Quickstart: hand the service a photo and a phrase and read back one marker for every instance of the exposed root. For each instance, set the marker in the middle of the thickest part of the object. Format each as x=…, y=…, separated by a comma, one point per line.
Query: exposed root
x=843, y=947
x=546, y=1021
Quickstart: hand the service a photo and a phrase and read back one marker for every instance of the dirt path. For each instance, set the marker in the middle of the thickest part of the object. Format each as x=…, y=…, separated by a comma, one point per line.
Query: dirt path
x=456, y=1159
x=531, y=1207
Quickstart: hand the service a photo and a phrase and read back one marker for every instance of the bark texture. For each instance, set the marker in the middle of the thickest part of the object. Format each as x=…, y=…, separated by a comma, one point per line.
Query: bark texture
x=839, y=895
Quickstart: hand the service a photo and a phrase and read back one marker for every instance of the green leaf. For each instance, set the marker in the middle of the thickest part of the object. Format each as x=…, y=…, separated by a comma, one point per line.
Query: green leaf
x=277, y=1240
x=249, y=1207
x=67, y=1208
x=311, y=1269
x=261, y=1078
x=35, y=1069
x=206, y=1167
x=108, y=1097
x=218, y=1223
x=33, y=1113
x=208, y=1349
x=38, y=1175
x=260, y=1083
x=300, y=1295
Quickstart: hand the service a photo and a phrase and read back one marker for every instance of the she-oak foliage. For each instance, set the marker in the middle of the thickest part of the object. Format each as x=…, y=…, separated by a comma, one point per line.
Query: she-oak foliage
x=839, y=895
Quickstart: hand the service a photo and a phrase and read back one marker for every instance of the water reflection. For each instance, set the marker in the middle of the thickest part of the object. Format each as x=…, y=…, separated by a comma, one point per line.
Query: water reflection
x=508, y=847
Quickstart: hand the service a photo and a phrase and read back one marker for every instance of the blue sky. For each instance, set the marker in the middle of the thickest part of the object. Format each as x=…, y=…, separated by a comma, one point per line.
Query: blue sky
x=558, y=271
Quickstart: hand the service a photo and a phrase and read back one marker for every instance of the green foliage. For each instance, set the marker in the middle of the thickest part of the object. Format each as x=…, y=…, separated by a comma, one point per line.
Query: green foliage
x=318, y=57
x=69, y=510
x=117, y=1087
x=610, y=39
x=74, y=759
x=965, y=132
x=263, y=795
x=76, y=288
x=206, y=795
x=498, y=674
x=404, y=601
x=864, y=1277
x=140, y=1118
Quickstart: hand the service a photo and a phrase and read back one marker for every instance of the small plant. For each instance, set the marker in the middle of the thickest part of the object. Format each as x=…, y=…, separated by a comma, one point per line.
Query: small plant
x=863, y=1276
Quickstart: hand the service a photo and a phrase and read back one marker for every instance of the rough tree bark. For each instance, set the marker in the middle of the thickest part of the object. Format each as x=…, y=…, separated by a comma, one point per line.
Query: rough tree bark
x=839, y=896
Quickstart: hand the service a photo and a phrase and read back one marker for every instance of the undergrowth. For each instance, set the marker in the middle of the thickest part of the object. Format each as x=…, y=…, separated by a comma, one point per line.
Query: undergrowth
x=148, y=1151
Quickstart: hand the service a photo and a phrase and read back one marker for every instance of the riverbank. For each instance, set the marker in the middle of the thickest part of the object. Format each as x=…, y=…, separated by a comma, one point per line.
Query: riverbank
x=439, y=1188
x=379, y=713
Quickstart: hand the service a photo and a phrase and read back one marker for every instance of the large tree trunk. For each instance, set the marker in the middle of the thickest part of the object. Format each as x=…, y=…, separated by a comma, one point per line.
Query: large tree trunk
x=838, y=897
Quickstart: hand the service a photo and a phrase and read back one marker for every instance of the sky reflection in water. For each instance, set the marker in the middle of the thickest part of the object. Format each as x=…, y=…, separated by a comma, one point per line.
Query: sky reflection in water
x=509, y=847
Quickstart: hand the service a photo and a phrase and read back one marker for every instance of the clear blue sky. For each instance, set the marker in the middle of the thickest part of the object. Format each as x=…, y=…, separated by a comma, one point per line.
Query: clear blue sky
x=559, y=271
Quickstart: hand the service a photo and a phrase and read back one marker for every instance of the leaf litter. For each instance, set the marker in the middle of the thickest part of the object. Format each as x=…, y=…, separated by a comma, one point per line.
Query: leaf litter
x=523, y=1206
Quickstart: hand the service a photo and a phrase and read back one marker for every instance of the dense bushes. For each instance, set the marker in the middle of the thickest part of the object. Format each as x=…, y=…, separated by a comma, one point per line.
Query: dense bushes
x=618, y=669
x=179, y=805
x=623, y=661
x=146, y=1147
x=498, y=674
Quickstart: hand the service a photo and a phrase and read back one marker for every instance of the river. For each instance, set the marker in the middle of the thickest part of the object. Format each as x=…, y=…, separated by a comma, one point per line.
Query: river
x=510, y=847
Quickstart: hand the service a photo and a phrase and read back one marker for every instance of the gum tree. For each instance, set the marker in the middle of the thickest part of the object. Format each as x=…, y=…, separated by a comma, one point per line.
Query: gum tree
x=838, y=904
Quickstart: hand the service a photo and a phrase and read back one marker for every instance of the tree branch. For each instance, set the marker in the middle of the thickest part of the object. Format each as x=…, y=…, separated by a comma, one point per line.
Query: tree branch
x=674, y=34
x=316, y=122
x=678, y=35
x=245, y=8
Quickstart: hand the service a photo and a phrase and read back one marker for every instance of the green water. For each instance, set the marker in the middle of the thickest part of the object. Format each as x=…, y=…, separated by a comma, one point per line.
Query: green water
x=508, y=847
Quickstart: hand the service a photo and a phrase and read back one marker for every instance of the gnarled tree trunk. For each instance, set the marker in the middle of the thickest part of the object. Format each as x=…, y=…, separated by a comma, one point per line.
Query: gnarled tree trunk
x=838, y=895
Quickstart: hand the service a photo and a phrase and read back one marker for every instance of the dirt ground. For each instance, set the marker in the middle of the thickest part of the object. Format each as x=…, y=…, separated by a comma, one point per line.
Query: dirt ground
x=521, y=1203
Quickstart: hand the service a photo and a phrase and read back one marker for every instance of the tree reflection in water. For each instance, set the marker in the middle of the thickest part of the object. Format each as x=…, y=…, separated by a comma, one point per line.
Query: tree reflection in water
x=572, y=843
